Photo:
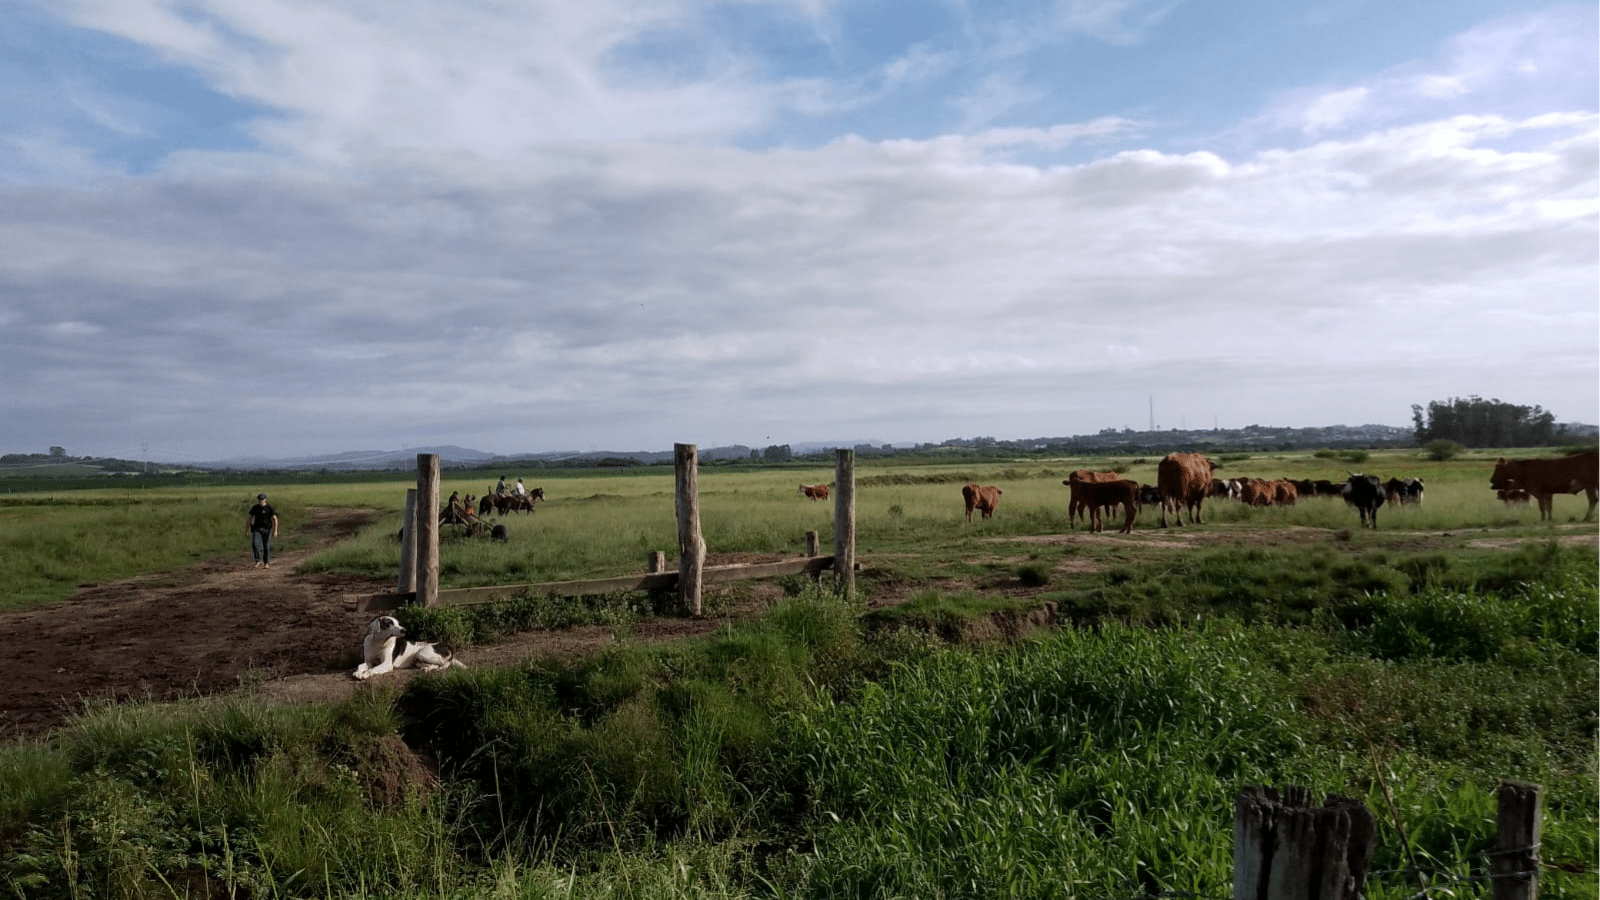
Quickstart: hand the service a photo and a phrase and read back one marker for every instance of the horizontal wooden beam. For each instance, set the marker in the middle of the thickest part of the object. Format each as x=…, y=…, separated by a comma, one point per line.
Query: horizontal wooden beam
x=805, y=565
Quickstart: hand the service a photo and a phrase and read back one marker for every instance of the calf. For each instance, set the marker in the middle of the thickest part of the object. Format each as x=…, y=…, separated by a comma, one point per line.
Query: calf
x=1107, y=495
x=814, y=491
x=984, y=499
x=1224, y=490
x=1149, y=495
x=1075, y=505
x=1514, y=495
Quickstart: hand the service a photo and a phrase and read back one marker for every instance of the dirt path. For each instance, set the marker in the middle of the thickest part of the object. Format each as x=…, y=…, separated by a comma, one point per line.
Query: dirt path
x=222, y=625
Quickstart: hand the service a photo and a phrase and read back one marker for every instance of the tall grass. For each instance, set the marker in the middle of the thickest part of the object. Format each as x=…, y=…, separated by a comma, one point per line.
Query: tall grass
x=49, y=545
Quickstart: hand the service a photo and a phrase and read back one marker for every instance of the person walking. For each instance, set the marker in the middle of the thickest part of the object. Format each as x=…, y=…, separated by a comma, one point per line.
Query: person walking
x=262, y=526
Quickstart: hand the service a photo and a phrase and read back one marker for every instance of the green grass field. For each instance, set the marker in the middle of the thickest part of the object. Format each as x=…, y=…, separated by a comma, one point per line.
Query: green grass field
x=826, y=750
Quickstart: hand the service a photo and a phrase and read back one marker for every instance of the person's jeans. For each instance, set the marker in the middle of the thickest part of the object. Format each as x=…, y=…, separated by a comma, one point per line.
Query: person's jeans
x=261, y=545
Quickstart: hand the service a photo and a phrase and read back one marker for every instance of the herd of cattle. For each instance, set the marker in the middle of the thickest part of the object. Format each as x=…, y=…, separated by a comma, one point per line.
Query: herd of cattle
x=1184, y=481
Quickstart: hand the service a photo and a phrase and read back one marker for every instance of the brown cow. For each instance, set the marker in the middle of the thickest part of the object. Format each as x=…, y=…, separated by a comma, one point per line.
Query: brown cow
x=1076, y=505
x=983, y=499
x=1107, y=495
x=1255, y=492
x=1284, y=492
x=1184, y=479
x=1544, y=478
x=814, y=491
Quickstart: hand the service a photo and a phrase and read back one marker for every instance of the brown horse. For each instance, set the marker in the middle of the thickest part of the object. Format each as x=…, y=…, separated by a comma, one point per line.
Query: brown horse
x=505, y=503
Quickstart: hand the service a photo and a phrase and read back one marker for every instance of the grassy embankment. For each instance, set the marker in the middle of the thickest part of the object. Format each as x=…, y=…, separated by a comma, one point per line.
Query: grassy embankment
x=823, y=753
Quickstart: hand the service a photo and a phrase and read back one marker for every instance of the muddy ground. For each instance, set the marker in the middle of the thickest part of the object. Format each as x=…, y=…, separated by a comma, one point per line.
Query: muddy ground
x=223, y=625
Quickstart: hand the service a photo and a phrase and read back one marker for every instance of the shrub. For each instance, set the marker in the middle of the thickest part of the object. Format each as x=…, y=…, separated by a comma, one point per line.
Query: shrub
x=1034, y=574
x=1442, y=450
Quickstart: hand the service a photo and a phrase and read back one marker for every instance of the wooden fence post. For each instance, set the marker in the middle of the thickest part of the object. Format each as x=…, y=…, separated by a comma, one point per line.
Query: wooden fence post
x=691, y=546
x=844, y=522
x=427, y=528
x=1514, y=864
x=408, y=545
x=655, y=562
x=1286, y=849
x=813, y=544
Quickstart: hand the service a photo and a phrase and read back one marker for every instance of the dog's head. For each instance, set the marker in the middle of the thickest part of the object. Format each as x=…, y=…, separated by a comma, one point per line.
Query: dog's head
x=382, y=636
x=385, y=627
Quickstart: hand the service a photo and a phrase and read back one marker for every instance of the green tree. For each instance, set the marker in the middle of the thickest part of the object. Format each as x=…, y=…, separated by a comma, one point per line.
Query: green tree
x=777, y=453
x=1476, y=422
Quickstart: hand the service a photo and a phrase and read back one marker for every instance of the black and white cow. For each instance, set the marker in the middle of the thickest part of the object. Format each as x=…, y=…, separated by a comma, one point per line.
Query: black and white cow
x=1365, y=493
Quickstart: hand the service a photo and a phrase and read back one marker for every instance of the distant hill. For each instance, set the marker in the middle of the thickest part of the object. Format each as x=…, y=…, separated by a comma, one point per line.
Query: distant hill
x=1253, y=438
x=354, y=460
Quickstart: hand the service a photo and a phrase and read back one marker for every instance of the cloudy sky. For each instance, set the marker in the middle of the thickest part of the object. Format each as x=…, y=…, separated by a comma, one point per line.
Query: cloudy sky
x=276, y=227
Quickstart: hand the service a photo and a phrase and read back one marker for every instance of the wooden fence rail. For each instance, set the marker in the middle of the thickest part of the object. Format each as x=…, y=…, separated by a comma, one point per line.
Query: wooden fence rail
x=418, y=583
x=647, y=581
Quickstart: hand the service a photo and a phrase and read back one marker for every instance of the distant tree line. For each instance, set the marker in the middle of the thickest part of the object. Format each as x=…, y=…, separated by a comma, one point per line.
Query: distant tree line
x=1476, y=422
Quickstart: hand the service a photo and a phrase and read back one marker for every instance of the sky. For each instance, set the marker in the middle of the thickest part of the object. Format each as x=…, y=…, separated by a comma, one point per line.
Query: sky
x=235, y=228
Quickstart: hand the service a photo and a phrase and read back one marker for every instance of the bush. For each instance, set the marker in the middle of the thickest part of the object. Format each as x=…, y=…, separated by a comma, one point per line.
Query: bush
x=1442, y=450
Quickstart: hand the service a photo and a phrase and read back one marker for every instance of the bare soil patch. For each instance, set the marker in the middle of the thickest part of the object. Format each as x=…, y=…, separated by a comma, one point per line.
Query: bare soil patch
x=222, y=625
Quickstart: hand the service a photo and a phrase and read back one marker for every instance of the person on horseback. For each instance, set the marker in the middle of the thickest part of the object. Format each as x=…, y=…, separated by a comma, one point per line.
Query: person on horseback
x=500, y=488
x=519, y=490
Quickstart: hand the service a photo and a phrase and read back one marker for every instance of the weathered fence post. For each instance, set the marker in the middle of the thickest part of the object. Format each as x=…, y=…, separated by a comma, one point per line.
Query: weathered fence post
x=1286, y=849
x=691, y=546
x=408, y=545
x=813, y=544
x=427, y=527
x=657, y=562
x=844, y=522
x=1514, y=864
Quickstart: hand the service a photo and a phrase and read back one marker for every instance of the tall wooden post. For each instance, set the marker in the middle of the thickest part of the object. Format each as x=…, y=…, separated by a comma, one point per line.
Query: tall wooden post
x=1515, y=863
x=844, y=522
x=691, y=546
x=1286, y=849
x=427, y=528
x=407, y=582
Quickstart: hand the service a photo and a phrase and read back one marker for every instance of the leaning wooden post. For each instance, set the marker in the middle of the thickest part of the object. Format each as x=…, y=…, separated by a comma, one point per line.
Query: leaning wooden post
x=427, y=528
x=844, y=522
x=407, y=583
x=1286, y=849
x=691, y=546
x=1514, y=864
x=655, y=562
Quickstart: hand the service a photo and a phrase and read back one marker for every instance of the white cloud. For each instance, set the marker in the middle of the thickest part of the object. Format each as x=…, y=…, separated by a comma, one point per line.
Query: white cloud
x=501, y=219
x=1115, y=21
x=489, y=78
x=1335, y=109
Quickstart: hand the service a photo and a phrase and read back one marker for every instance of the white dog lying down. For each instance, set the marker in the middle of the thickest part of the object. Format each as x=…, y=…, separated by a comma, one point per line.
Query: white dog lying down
x=385, y=649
